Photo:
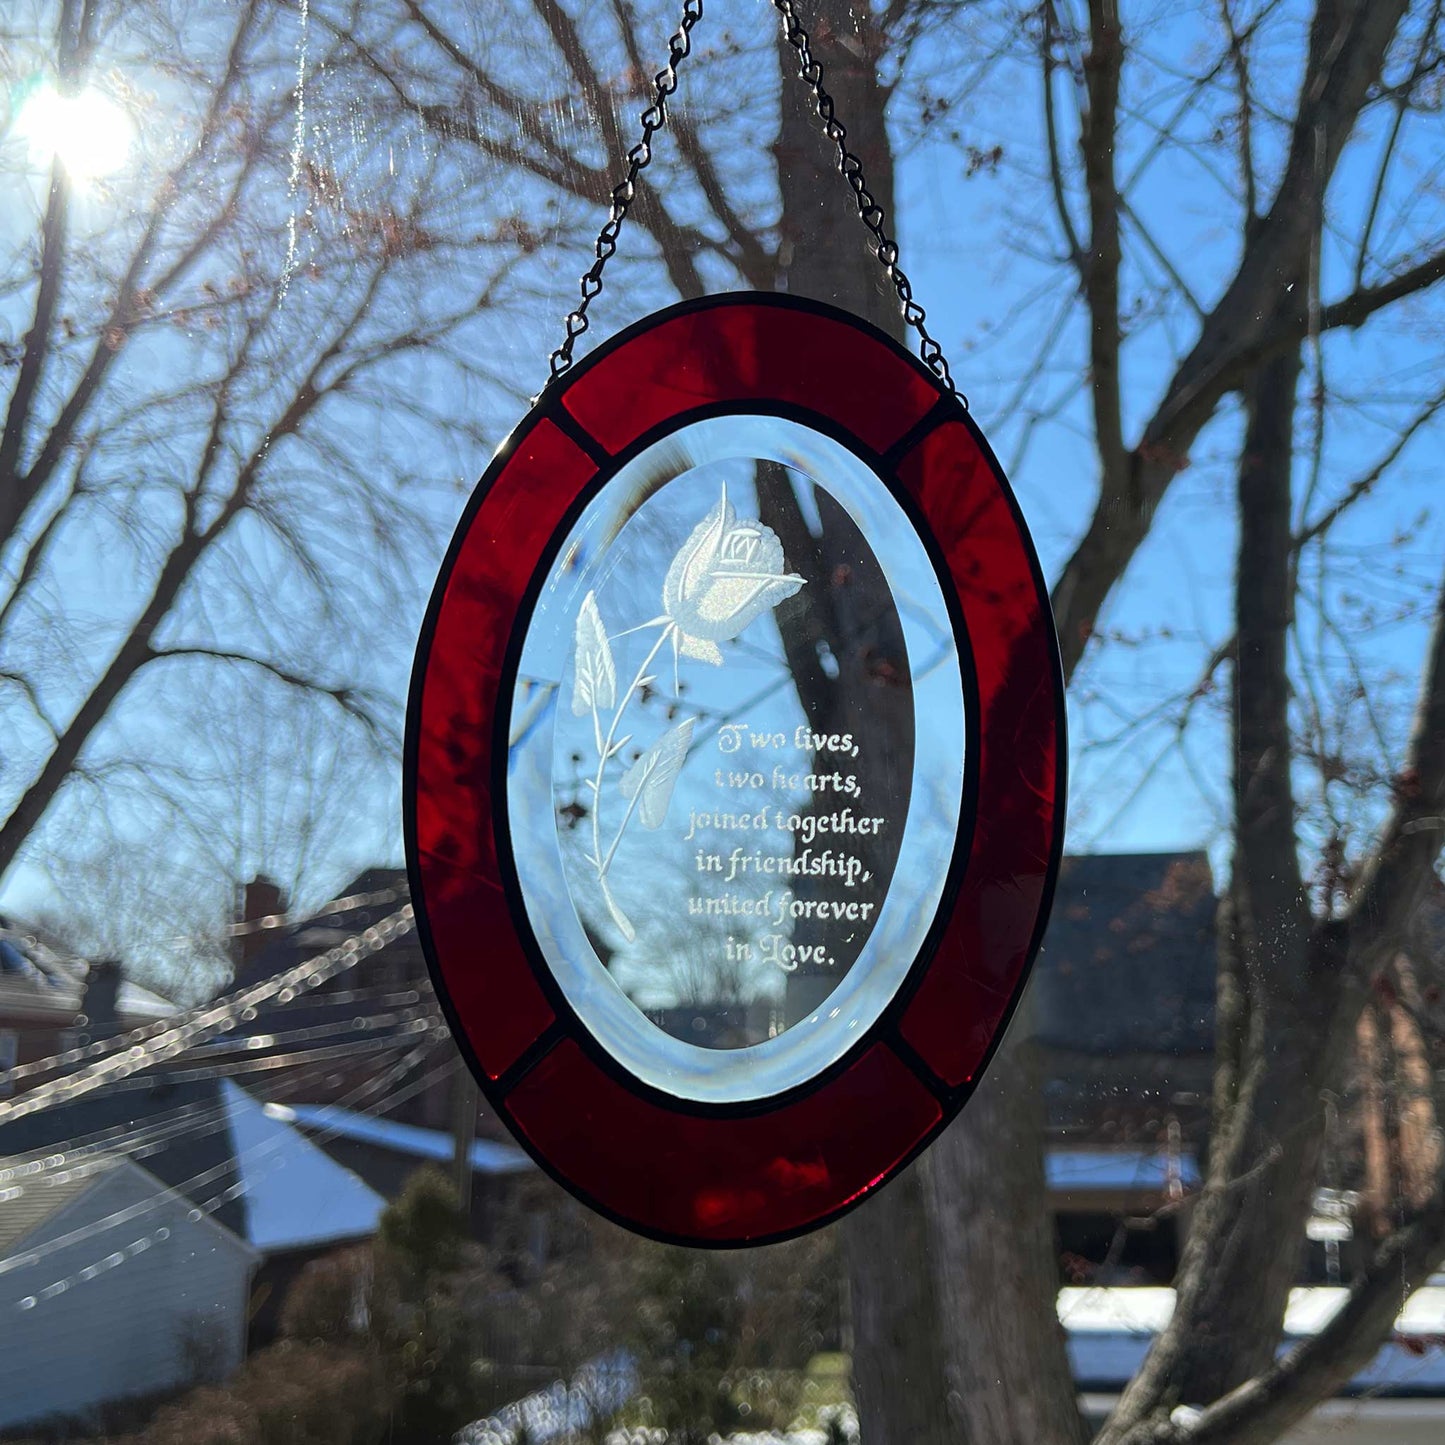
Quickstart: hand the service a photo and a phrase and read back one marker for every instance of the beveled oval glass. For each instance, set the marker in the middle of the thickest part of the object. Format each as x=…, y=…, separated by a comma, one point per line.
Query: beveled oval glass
x=729, y=870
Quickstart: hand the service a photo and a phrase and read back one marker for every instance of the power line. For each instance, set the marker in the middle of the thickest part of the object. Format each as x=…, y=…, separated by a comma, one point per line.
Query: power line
x=330, y=1054
x=386, y=994
x=362, y=1024
x=100, y=1047
x=288, y=920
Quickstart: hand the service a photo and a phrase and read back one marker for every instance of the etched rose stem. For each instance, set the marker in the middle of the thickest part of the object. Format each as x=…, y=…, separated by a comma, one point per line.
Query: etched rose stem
x=604, y=752
x=622, y=828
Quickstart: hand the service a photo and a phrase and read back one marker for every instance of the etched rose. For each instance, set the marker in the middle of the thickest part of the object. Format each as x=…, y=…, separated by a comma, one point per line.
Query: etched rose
x=724, y=576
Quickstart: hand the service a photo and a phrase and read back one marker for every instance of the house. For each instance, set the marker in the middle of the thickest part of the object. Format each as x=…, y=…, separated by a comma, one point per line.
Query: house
x=1120, y=1213
x=326, y=1044
x=386, y=1153
x=1121, y=1007
x=1398, y=1398
x=213, y=1144
x=515, y=1208
x=1122, y=998
x=113, y=1286
x=49, y=1004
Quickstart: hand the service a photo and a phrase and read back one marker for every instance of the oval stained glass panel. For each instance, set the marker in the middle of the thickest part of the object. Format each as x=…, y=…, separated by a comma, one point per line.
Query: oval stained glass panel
x=734, y=772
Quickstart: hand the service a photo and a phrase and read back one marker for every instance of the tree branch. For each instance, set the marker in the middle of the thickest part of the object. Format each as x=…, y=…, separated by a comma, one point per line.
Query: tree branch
x=526, y=115
x=1264, y=936
x=349, y=699
x=1240, y=61
x=1102, y=67
x=54, y=231
x=673, y=240
x=18, y=490
x=1403, y=864
x=1365, y=483
x=1354, y=310
x=1263, y=1408
x=37, y=346
x=1250, y=324
x=1056, y=170
x=677, y=243
x=135, y=651
x=1161, y=256
x=1266, y=845
x=753, y=259
x=1400, y=99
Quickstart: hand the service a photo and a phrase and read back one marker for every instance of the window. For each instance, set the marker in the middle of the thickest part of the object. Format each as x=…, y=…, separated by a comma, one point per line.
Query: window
x=278, y=280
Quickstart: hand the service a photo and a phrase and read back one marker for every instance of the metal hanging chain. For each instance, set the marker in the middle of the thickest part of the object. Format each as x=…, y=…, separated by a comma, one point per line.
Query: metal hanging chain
x=654, y=118
x=869, y=211
x=625, y=192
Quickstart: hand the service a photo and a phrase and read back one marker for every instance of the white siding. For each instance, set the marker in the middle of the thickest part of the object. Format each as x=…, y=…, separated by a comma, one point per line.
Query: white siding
x=109, y=1314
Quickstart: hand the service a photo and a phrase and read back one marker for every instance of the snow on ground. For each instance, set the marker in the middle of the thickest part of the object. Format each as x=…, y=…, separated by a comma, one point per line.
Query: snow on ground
x=568, y=1410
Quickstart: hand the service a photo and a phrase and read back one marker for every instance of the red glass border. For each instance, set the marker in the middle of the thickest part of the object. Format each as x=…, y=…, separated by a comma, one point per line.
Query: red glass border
x=716, y=1180
x=766, y=1169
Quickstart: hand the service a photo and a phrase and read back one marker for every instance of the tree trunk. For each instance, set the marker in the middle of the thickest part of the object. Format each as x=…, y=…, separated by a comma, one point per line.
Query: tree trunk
x=1278, y=1019
x=896, y=1331
x=1235, y=1305
x=965, y=1231
x=995, y=1255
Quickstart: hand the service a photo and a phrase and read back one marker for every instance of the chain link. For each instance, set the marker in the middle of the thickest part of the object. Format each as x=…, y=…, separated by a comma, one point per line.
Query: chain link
x=654, y=118
x=625, y=192
x=869, y=211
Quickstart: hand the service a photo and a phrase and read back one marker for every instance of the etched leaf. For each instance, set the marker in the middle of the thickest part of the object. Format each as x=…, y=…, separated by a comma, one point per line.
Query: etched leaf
x=594, y=682
x=652, y=777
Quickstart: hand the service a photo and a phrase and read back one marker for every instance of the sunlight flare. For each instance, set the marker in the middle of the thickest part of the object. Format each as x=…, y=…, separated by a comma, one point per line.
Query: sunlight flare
x=88, y=132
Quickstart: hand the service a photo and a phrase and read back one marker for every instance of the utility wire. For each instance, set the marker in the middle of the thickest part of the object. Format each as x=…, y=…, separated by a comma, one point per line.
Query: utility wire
x=329, y=1054
x=187, y=1123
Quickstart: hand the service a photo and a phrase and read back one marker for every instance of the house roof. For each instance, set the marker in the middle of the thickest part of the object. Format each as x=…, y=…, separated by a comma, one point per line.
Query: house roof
x=212, y=1142
x=372, y=1014
x=1127, y=965
x=487, y=1156
x=177, y=1129
x=36, y=983
x=1084, y=1171
x=31, y=1194
x=297, y=1196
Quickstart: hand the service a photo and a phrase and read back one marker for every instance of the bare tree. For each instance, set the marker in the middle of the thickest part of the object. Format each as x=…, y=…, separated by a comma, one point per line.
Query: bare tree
x=221, y=440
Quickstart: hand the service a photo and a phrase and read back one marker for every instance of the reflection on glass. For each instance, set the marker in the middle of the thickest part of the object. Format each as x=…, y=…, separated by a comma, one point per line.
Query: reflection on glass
x=730, y=827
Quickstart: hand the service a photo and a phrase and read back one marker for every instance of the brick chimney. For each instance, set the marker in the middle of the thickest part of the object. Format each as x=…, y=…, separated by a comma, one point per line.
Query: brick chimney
x=260, y=900
x=99, y=1015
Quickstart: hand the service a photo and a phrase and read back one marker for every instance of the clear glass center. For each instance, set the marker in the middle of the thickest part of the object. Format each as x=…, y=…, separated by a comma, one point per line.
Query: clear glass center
x=736, y=763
